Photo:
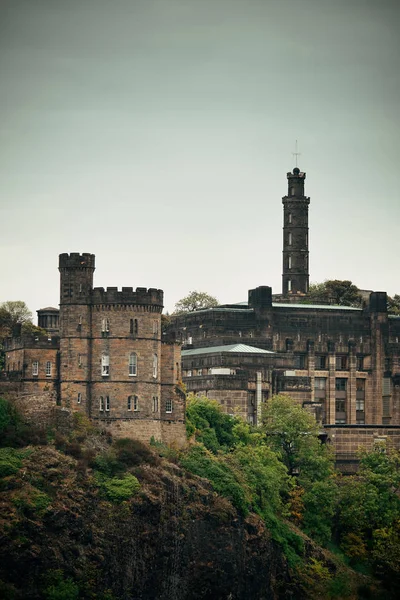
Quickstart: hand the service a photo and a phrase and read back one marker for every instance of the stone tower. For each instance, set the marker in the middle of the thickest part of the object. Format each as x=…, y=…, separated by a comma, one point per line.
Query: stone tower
x=295, y=275
x=76, y=285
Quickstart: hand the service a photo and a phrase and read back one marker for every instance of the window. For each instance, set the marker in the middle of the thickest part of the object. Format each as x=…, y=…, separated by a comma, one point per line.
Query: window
x=289, y=238
x=105, y=365
x=320, y=362
x=360, y=385
x=48, y=369
x=133, y=326
x=79, y=399
x=289, y=218
x=168, y=405
x=155, y=403
x=155, y=366
x=289, y=285
x=101, y=403
x=320, y=383
x=340, y=406
x=341, y=384
x=80, y=320
x=299, y=361
x=80, y=288
x=107, y=403
x=79, y=360
x=341, y=363
x=135, y=403
x=292, y=191
x=188, y=373
x=133, y=364
x=155, y=327
x=199, y=371
x=289, y=262
x=360, y=363
x=360, y=405
x=129, y=402
x=35, y=368
x=105, y=325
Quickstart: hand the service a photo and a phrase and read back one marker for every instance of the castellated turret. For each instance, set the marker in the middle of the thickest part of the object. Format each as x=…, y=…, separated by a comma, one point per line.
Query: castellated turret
x=111, y=352
x=295, y=268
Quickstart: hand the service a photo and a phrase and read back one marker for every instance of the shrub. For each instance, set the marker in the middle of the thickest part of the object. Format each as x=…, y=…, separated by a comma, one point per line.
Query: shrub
x=117, y=490
x=31, y=500
x=133, y=452
x=74, y=449
x=58, y=588
x=10, y=461
x=224, y=479
x=107, y=463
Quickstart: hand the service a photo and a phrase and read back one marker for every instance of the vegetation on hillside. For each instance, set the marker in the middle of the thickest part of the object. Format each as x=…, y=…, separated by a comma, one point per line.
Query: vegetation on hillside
x=279, y=473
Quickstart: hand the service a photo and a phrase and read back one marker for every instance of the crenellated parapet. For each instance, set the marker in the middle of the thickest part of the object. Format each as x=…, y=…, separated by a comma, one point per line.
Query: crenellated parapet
x=75, y=260
x=127, y=296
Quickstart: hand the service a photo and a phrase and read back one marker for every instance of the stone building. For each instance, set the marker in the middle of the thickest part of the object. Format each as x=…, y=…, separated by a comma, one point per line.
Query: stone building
x=108, y=360
x=342, y=363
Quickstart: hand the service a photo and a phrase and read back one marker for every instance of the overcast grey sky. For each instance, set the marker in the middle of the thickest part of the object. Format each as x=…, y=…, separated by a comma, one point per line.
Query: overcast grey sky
x=157, y=134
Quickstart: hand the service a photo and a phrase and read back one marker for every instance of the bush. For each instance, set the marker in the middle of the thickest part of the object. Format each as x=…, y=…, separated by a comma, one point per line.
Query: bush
x=117, y=490
x=74, y=449
x=10, y=461
x=58, y=588
x=132, y=453
x=31, y=501
x=200, y=461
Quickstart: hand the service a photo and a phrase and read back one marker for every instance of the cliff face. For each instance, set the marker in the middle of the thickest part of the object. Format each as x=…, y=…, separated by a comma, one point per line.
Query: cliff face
x=174, y=540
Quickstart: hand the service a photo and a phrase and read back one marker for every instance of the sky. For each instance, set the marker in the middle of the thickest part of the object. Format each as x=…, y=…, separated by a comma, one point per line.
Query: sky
x=157, y=134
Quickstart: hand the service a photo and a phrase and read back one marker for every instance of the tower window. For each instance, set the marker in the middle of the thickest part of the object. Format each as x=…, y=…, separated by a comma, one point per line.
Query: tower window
x=101, y=403
x=135, y=403
x=289, y=218
x=105, y=365
x=168, y=405
x=35, y=368
x=292, y=191
x=133, y=326
x=289, y=285
x=133, y=364
x=48, y=369
x=107, y=403
x=155, y=366
x=289, y=262
x=79, y=399
x=105, y=325
x=155, y=403
x=289, y=238
x=155, y=327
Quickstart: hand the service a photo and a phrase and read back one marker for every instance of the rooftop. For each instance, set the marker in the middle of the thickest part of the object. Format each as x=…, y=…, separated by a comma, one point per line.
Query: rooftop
x=234, y=348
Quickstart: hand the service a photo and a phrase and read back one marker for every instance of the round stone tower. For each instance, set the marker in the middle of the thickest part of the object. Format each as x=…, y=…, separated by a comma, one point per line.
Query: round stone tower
x=295, y=273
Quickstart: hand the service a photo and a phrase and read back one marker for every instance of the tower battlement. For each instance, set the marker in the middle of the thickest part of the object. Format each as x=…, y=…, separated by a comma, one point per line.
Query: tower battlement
x=75, y=260
x=142, y=296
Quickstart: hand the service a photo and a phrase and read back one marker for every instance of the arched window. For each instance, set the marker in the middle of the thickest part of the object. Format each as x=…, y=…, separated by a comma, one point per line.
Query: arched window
x=155, y=366
x=133, y=364
x=105, y=365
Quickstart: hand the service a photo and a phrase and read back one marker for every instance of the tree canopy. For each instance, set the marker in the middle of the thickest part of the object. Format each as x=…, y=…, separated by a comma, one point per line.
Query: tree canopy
x=194, y=301
x=335, y=291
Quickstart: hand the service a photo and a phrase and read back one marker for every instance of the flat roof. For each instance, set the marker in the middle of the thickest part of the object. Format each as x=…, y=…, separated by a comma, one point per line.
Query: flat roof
x=236, y=348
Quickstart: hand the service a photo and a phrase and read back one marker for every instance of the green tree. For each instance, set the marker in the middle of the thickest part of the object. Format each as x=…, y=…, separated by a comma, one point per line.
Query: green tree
x=195, y=301
x=294, y=435
x=211, y=426
x=335, y=291
x=394, y=304
x=291, y=431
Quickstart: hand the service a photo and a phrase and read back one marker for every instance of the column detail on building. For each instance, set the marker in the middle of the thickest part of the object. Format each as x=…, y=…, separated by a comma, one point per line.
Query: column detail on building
x=352, y=387
x=295, y=269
